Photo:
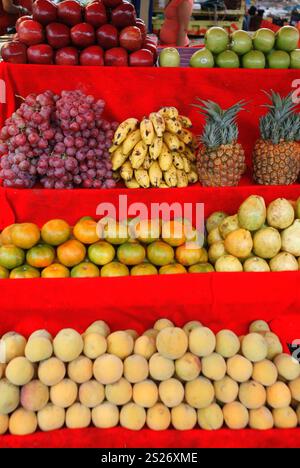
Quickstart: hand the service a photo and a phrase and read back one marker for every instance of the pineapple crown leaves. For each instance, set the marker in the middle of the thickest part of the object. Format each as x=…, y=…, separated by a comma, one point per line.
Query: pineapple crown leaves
x=282, y=122
x=220, y=126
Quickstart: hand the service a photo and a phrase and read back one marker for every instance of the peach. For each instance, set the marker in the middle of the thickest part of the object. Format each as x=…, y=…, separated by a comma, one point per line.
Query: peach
x=144, y=346
x=239, y=368
x=162, y=323
x=261, y=419
x=226, y=390
x=19, y=371
x=252, y=394
x=39, y=346
x=34, y=395
x=274, y=345
x=9, y=397
x=120, y=344
x=202, y=341
x=199, y=393
x=151, y=333
x=172, y=342
x=68, y=345
x=213, y=366
x=210, y=418
x=227, y=343
x=12, y=345
x=91, y=394
x=100, y=327
x=161, y=368
x=254, y=347
x=158, y=417
x=236, y=416
x=64, y=393
x=133, y=333
x=78, y=416
x=288, y=367
x=294, y=386
x=265, y=372
x=136, y=368
x=145, y=393
x=51, y=371
x=80, y=370
x=4, y=420
x=51, y=417
x=189, y=326
x=188, y=367
x=94, y=345
x=184, y=417
x=22, y=422
x=259, y=326
x=279, y=395
x=171, y=392
x=285, y=418
x=119, y=393
x=133, y=416
x=108, y=369
x=105, y=415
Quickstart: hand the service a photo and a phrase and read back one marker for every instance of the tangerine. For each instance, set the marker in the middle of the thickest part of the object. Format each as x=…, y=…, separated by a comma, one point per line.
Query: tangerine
x=25, y=235
x=191, y=253
x=173, y=269
x=144, y=269
x=86, y=231
x=147, y=230
x=131, y=253
x=11, y=256
x=56, y=232
x=25, y=271
x=173, y=232
x=114, y=269
x=160, y=253
x=4, y=273
x=56, y=270
x=85, y=270
x=6, y=235
x=40, y=256
x=101, y=253
x=116, y=233
x=71, y=253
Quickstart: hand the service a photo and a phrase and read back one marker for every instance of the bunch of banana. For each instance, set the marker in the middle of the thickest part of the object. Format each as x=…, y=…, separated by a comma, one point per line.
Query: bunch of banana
x=159, y=151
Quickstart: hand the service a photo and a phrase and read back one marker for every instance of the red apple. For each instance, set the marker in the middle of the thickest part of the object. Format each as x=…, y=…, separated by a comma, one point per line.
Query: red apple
x=31, y=32
x=95, y=14
x=141, y=58
x=92, y=57
x=40, y=54
x=131, y=38
x=69, y=12
x=116, y=57
x=123, y=15
x=66, y=56
x=141, y=25
x=21, y=19
x=107, y=36
x=16, y=37
x=44, y=11
x=58, y=35
x=112, y=3
x=152, y=49
x=14, y=52
x=83, y=35
x=151, y=39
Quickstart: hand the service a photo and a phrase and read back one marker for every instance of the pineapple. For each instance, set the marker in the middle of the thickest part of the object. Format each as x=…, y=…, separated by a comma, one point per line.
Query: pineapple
x=276, y=157
x=220, y=158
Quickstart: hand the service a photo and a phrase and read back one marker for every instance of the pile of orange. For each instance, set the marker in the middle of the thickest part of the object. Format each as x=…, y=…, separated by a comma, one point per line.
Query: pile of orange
x=90, y=249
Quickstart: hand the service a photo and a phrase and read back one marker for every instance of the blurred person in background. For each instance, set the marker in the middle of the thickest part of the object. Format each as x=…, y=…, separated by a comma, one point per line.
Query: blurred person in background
x=177, y=17
x=10, y=11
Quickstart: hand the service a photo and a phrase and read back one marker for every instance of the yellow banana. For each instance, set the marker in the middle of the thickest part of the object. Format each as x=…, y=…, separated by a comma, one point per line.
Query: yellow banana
x=163, y=185
x=192, y=177
x=118, y=158
x=173, y=126
x=169, y=112
x=186, y=164
x=178, y=161
x=113, y=148
x=186, y=136
x=147, y=162
x=182, y=179
x=170, y=176
x=182, y=147
x=190, y=154
x=126, y=171
x=142, y=178
x=116, y=176
x=156, y=147
x=158, y=123
x=131, y=141
x=185, y=121
x=138, y=155
x=171, y=141
x=124, y=129
x=155, y=174
x=132, y=183
x=147, y=131
x=165, y=159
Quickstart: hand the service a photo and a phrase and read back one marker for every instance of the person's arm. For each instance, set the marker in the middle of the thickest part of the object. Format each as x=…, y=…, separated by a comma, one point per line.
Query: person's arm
x=184, y=16
x=12, y=9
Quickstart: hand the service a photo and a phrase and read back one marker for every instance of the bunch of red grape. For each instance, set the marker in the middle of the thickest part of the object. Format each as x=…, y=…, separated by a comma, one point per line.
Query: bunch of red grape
x=61, y=141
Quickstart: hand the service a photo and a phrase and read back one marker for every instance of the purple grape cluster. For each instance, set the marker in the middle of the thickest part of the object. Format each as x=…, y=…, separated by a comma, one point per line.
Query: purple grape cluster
x=65, y=147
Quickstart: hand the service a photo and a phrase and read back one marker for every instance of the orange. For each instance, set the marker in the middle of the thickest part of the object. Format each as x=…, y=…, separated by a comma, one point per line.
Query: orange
x=101, y=253
x=173, y=269
x=190, y=254
x=55, y=271
x=56, y=232
x=159, y=253
x=6, y=235
x=201, y=268
x=4, y=273
x=173, y=233
x=86, y=231
x=131, y=253
x=25, y=271
x=25, y=235
x=71, y=253
x=11, y=256
x=114, y=269
x=144, y=269
x=85, y=270
x=40, y=256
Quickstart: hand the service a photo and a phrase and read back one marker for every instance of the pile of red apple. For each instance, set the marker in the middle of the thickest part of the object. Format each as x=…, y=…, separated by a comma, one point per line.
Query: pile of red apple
x=105, y=32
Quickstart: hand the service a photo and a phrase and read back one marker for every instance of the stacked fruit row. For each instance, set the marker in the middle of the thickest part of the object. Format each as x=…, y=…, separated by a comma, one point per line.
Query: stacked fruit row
x=168, y=375
x=159, y=151
x=264, y=50
x=104, y=32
